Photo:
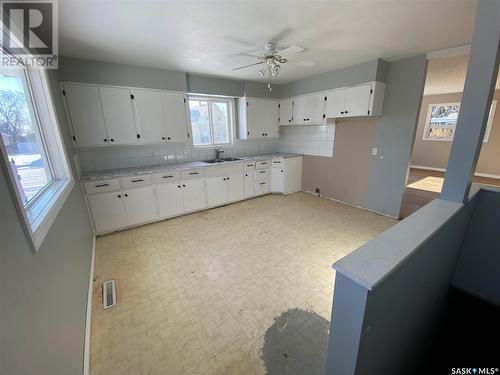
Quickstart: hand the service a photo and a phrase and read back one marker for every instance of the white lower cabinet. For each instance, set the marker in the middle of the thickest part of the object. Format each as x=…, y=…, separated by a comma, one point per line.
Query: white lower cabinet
x=169, y=198
x=216, y=191
x=193, y=195
x=277, y=180
x=262, y=187
x=249, y=184
x=140, y=205
x=108, y=211
x=235, y=189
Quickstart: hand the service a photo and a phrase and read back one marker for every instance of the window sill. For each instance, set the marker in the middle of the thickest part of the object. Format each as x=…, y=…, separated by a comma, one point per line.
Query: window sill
x=42, y=214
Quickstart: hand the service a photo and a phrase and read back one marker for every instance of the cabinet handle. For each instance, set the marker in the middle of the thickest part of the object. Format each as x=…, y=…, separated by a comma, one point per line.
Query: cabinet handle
x=167, y=176
x=342, y=113
x=169, y=138
x=228, y=178
x=119, y=195
x=263, y=162
x=224, y=179
x=262, y=183
x=262, y=172
x=246, y=174
x=346, y=111
x=138, y=180
x=112, y=140
x=162, y=138
x=126, y=195
x=249, y=165
x=101, y=185
x=289, y=120
x=138, y=136
x=183, y=185
x=282, y=171
x=105, y=140
x=179, y=186
x=193, y=173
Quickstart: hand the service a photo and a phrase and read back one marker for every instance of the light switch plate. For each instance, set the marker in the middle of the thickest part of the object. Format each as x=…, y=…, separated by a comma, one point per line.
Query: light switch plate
x=374, y=151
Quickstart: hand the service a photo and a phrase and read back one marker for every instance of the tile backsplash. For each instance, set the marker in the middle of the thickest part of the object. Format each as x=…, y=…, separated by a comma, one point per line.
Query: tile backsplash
x=101, y=158
x=307, y=139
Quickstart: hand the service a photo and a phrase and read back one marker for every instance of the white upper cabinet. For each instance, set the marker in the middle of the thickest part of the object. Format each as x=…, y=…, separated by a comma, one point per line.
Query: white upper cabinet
x=149, y=116
x=174, y=116
x=85, y=112
x=286, y=111
x=118, y=115
x=309, y=109
x=258, y=118
x=360, y=100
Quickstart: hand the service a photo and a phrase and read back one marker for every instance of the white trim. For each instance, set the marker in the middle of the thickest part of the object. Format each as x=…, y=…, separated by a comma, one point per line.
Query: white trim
x=487, y=175
x=350, y=204
x=88, y=316
x=449, y=52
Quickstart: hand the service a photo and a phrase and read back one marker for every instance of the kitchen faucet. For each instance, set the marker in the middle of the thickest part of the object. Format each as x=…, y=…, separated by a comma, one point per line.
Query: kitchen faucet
x=218, y=152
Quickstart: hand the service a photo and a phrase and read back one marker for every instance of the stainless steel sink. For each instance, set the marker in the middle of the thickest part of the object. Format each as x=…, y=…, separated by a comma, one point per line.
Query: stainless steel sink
x=221, y=160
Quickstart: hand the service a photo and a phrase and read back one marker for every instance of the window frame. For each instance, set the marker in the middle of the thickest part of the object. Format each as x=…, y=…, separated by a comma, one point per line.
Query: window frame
x=231, y=119
x=427, y=124
x=39, y=214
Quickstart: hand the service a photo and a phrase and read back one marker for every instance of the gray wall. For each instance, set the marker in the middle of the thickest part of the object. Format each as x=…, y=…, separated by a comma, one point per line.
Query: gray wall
x=394, y=134
x=43, y=296
x=90, y=71
x=214, y=86
x=478, y=268
x=435, y=154
x=406, y=273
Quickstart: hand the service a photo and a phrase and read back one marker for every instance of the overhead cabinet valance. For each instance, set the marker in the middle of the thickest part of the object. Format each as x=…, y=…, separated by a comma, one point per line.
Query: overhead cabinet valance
x=108, y=115
x=360, y=100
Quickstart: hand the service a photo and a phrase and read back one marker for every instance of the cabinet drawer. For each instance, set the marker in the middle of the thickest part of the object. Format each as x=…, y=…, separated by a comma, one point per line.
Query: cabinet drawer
x=101, y=186
x=262, y=164
x=261, y=187
x=192, y=173
x=136, y=181
x=278, y=162
x=160, y=178
x=262, y=174
x=249, y=166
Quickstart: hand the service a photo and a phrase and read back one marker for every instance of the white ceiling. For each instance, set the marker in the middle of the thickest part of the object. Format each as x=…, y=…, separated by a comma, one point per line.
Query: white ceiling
x=205, y=36
x=447, y=75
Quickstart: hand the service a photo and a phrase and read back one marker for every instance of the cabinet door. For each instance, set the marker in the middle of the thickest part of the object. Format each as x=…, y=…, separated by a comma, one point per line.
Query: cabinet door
x=174, y=116
x=357, y=100
x=335, y=103
x=216, y=191
x=169, y=199
x=315, y=108
x=286, y=112
x=140, y=205
x=235, y=188
x=249, y=188
x=270, y=119
x=150, y=121
x=262, y=118
x=193, y=195
x=108, y=211
x=300, y=110
x=118, y=115
x=277, y=180
x=85, y=112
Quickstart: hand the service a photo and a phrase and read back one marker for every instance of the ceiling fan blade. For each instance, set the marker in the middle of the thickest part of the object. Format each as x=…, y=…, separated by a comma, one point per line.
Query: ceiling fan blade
x=307, y=64
x=248, y=66
x=292, y=50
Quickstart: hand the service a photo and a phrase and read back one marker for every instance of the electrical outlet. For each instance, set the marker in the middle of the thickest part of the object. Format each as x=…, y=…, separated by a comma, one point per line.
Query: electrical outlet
x=374, y=151
x=317, y=191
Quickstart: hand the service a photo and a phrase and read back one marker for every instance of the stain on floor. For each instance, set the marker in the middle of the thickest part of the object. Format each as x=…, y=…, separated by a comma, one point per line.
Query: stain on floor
x=296, y=343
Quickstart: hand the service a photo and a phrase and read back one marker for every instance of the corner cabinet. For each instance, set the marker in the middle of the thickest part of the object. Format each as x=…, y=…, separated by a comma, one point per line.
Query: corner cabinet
x=257, y=118
x=360, y=100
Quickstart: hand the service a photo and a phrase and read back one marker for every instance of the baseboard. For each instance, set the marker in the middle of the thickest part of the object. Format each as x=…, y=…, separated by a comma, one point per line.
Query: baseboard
x=88, y=317
x=487, y=175
x=350, y=204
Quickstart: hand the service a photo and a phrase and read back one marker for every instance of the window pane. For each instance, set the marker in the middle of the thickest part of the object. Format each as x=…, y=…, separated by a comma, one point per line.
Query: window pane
x=220, y=118
x=21, y=136
x=200, y=122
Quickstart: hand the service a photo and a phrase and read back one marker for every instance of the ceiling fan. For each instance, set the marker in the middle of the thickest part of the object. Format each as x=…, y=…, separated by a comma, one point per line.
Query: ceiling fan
x=273, y=57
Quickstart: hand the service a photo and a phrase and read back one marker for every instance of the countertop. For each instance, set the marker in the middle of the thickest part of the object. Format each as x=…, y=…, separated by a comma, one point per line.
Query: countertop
x=135, y=171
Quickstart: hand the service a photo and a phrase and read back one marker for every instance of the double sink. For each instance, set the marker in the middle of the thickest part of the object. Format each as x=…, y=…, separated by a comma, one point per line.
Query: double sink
x=220, y=160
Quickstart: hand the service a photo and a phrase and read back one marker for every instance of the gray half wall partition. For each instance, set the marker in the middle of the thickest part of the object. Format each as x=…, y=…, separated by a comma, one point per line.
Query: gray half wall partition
x=390, y=293
x=395, y=133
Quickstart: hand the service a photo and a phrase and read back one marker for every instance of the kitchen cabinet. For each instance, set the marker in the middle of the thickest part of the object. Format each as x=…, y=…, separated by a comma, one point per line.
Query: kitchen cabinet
x=286, y=175
x=216, y=191
x=258, y=118
x=286, y=112
x=140, y=205
x=235, y=188
x=360, y=100
x=309, y=109
x=193, y=195
x=169, y=199
x=174, y=116
x=149, y=116
x=108, y=211
x=249, y=184
x=118, y=115
x=85, y=113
